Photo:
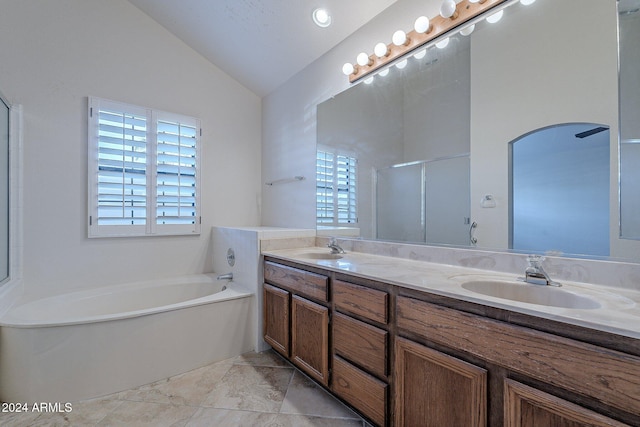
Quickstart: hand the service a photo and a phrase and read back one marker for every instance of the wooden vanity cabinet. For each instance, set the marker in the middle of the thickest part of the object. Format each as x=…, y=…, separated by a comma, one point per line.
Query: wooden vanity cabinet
x=404, y=357
x=293, y=324
x=361, y=348
x=605, y=379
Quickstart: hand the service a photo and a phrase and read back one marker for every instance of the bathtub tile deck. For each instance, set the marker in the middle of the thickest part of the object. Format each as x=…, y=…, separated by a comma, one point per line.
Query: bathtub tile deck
x=251, y=389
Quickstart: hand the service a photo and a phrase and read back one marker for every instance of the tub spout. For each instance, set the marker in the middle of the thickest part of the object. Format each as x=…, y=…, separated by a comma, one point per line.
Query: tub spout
x=228, y=276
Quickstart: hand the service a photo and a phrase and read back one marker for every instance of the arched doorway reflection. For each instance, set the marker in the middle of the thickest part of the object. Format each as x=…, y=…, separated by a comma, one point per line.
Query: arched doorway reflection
x=560, y=190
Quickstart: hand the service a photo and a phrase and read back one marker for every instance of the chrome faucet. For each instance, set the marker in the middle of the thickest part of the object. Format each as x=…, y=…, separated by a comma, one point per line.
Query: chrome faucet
x=535, y=274
x=228, y=276
x=335, y=247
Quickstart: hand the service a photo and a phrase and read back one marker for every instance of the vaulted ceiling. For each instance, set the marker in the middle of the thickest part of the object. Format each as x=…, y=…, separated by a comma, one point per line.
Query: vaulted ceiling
x=260, y=43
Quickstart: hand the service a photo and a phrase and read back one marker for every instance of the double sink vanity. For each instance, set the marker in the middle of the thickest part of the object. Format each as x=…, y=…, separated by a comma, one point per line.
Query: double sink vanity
x=415, y=343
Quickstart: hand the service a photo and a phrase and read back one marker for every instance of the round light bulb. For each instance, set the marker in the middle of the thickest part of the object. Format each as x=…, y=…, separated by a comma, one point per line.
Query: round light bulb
x=321, y=17
x=492, y=19
x=384, y=72
x=368, y=80
x=363, y=59
x=468, y=30
x=420, y=54
x=448, y=9
x=443, y=43
x=527, y=2
x=381, y=50
x=400, y=65
x=422, y=25
x=399, y=38
x=348, y=69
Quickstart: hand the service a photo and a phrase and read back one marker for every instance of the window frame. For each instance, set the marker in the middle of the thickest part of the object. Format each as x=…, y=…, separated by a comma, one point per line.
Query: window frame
x=150, y=226
x=335, y=185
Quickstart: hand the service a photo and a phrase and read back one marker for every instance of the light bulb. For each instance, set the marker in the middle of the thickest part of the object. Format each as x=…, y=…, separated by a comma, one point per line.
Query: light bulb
x=368, y=80
x=384, y=72
x=527, y=2
x=348, y=69
x=448, y=9
x=422, y=25
x=363, y=59
x=443, y=43
x=381, y=50
x=492, y=19
x=321, y=17
x=400, y=65
x=420, y=54
x=468, y=30
x=399, y=38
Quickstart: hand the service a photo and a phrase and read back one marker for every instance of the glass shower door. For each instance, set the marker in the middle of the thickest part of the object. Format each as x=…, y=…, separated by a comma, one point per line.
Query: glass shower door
x=400, y=203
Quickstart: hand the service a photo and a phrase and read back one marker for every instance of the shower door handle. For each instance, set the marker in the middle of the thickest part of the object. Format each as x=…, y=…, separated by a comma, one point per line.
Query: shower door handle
x=473, y=238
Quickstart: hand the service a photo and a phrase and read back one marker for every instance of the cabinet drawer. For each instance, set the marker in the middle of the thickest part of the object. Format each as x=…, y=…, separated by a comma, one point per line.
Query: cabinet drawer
x=300, y=281
x=608, y=376
x=360, y=343
x=369, y=303
x=364, y=392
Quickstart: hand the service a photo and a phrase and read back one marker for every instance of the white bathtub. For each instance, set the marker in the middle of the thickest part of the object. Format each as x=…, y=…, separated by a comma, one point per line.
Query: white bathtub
x=91, y=343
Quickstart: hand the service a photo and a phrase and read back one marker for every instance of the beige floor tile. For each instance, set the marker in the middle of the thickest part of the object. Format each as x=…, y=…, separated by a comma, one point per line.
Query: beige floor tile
x=85, y=413
x=252, y=388
x=17, y=419
x=266, y=358
x=207, y=417
x=141, y=414
x=184, y=389
x=304, y=397
x=255, y=389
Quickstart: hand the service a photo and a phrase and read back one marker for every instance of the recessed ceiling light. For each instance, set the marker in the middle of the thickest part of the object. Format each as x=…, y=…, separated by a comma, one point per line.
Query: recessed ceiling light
x=321, y=17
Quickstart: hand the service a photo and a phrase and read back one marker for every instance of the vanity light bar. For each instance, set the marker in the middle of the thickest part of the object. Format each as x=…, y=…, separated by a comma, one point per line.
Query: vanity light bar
x=465, y=11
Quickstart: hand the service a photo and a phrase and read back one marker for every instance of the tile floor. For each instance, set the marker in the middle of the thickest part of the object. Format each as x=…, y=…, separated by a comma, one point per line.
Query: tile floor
x=254, y=389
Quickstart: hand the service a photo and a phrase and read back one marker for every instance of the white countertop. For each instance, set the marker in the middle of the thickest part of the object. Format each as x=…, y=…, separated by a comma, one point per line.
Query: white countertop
x=618, y=311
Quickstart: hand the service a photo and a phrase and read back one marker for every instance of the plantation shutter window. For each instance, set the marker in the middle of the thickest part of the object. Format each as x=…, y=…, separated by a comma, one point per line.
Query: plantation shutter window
x=143, y=171
x=324, y=188
x=336, y=189
x=176, y=173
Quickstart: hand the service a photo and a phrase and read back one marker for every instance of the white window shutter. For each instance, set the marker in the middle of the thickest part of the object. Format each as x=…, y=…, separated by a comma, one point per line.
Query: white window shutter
x=144, y=175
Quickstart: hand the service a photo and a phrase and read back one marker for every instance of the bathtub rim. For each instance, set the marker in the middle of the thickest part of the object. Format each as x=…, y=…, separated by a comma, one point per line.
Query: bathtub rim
x=234, y=290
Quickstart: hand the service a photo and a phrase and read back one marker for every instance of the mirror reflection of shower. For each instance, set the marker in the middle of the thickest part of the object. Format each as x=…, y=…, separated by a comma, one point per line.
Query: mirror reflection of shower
x=560, y=190
x=424, y=202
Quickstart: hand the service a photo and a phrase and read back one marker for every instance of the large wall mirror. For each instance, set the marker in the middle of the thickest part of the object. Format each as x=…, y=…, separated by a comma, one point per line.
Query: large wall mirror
x=438, y=138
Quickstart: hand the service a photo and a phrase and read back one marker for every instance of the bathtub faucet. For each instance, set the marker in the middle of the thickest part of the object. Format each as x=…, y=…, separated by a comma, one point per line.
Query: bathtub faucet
x=228, y=276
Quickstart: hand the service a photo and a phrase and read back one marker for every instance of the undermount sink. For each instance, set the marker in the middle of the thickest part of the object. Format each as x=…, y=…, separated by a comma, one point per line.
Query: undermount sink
x=531, y=294
x=320, y=255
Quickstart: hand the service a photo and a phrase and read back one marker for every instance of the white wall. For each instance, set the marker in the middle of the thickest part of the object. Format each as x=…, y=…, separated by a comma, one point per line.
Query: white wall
x=289, y=115
x=54, y=55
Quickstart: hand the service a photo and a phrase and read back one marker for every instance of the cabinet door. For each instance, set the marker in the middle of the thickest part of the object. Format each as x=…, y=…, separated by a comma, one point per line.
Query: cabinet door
x=434, y=389
x=310, y=338
x=526, y=406
x=276, y=318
